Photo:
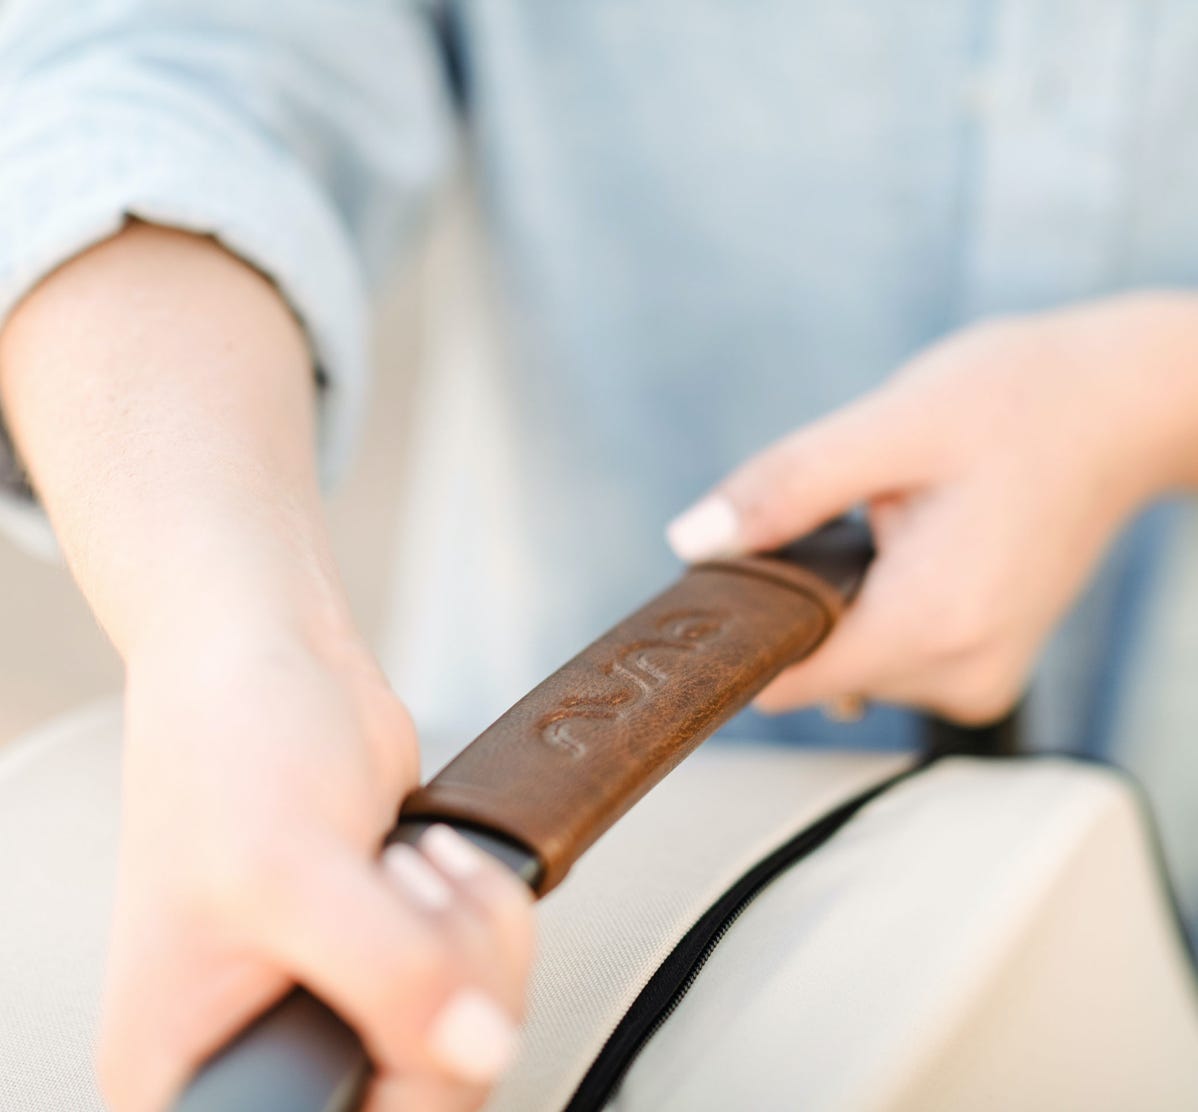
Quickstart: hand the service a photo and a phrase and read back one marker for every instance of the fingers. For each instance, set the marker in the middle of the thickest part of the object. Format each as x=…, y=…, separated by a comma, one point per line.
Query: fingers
x=870, y=449
x=426, y=953
x=425, y=958
x=148, y=1043
x=501, y=903
x=972, y=691
x=927, y=630
x=858, y=658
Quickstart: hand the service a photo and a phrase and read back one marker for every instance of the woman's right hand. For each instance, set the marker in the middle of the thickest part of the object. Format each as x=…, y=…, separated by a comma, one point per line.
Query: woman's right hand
x=261, y=775
x=160, y=392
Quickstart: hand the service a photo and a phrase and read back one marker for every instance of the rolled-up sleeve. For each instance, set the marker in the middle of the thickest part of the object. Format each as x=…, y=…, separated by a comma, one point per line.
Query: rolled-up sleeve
x=305, y=135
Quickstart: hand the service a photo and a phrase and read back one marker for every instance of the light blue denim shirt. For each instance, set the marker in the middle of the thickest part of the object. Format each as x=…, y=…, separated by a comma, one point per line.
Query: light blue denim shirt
x=715, y=219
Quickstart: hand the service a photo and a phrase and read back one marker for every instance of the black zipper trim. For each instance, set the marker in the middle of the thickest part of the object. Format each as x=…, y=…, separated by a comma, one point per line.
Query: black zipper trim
x=682, y=966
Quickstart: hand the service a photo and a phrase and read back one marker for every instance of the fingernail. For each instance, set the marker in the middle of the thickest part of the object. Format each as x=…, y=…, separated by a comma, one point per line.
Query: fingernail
x=710, y=528
x=451, y=852
x=472, y=1038
x=417, y=877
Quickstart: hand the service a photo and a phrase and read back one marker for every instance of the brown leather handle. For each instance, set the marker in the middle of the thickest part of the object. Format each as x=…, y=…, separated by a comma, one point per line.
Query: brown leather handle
x=551, y=775
x=563, y=764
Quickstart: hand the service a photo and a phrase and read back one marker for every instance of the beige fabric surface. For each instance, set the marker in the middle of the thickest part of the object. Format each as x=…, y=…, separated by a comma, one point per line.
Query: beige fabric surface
x=59, y=791
x=906, y=946
x=606, y=929
x=984, y=937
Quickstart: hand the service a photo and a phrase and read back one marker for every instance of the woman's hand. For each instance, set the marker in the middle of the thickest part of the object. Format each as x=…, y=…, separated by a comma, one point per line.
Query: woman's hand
x=161, y=393
x=996, y=467
x=261, y=775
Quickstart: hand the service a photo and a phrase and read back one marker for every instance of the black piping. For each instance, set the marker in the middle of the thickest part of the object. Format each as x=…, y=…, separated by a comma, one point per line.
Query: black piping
x=682, y=966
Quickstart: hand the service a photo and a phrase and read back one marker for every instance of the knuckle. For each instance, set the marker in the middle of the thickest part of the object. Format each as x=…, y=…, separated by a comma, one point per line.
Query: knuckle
x=499, y=932
x=516, y=923
x=389, y=722
x=981, y=694
x=787, y=690
x=424, y=968
x=961, y=626
x=404, y=992
x=505, y=898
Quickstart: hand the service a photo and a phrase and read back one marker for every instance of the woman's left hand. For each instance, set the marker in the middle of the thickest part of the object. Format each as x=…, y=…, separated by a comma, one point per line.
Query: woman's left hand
x=996, y=467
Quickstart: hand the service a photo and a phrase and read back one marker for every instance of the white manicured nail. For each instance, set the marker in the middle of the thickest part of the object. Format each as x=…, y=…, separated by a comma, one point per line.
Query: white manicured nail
x=417, y=877
x=710, y=528
x=472, y=1038
x=449, y=851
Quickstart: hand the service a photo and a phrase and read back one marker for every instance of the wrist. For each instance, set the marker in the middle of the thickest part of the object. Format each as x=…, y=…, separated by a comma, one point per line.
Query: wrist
x=237, y=581
x=211, y=692
x=1137, y=362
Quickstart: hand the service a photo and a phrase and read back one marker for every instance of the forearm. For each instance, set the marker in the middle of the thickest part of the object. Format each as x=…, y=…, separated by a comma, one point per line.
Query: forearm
x=161, y=395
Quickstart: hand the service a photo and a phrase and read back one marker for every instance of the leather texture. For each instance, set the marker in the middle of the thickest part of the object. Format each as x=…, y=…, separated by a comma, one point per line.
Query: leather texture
x=563, y=764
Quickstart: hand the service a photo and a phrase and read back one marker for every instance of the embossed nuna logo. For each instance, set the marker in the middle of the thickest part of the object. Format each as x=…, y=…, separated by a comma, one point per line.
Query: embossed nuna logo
x=638, y=669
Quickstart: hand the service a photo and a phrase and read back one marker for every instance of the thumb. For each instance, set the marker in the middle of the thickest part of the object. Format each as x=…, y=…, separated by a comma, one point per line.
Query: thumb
x=869, y=449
